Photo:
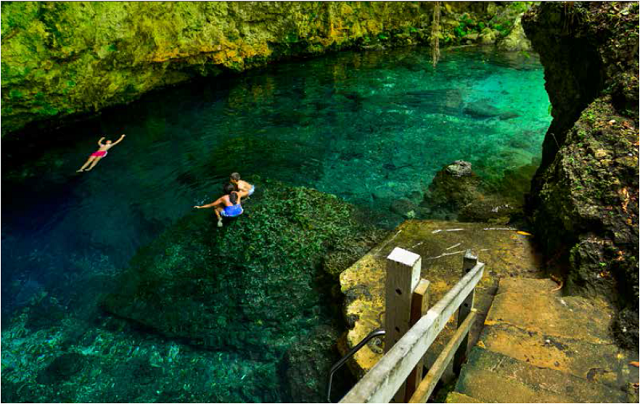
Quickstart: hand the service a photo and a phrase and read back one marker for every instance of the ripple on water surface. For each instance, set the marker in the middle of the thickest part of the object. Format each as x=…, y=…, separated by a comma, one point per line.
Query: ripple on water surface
x=348, y=124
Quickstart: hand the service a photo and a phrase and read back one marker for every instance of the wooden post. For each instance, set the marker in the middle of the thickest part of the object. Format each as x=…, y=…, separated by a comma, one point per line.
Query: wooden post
x=384, y=379
x=419, y=307
x=403, y=274
x=469, y=261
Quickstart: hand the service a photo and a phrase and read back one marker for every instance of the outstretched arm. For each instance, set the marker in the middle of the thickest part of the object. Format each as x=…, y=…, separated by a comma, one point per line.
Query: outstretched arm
x=119, y=140
x=100, y=141
x=211, y=205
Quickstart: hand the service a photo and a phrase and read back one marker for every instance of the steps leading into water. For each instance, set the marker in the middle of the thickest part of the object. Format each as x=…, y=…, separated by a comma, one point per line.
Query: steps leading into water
x=540, y=346
x=441, y=244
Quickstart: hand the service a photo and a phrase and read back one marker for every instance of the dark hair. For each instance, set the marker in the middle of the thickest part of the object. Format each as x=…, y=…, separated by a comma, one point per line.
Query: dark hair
x=235, y=176
x=233, y=196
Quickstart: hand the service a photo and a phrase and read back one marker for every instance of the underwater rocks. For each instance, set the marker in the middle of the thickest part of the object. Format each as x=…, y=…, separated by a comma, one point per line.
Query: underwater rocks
x=254, y=285
x=456, y=192
x=62, y=368
x=584, y=202
x=307, y=364
x=483, y=109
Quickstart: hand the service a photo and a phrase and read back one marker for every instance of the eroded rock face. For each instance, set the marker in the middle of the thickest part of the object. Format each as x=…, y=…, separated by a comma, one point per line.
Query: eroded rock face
x=584, y=201
x=69, y=60
x=61, y=59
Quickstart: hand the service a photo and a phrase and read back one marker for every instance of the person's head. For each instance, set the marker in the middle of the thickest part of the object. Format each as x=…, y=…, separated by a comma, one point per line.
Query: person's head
x=234, y=177
x=108, y=142
x=228, y=189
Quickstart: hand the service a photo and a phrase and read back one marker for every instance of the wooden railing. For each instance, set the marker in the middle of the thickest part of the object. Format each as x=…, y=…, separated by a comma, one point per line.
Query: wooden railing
x=411, y=329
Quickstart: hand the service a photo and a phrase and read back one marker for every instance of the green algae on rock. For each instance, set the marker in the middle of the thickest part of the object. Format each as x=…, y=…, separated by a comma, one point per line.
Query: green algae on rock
x=64, y=60
x=254, y=287
x=584, y=201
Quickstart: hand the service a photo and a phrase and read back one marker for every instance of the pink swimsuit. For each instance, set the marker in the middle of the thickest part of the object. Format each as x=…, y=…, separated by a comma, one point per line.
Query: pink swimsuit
x=99, y=153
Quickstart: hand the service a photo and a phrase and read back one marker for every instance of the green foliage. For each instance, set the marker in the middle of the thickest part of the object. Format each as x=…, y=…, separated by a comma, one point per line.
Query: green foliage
x=383, y=36
x=292, y=37
x=460, y=31
x=15, y=94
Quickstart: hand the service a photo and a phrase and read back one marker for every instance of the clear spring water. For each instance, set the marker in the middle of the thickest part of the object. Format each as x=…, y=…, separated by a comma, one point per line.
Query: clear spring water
x=355, y=124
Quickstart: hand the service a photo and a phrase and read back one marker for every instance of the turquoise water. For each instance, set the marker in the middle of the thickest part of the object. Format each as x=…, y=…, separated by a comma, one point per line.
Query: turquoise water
x=368, y=127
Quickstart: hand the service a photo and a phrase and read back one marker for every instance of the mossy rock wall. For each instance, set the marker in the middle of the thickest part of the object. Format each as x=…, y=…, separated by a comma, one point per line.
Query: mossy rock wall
x=584, y=201
x=66, y=60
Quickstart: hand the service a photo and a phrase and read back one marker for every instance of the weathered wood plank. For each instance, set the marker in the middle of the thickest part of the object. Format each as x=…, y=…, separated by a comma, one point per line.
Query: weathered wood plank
x=383, y=380
x=403, y=274
x=419, y=307
x=469, y=261
x=429, y=382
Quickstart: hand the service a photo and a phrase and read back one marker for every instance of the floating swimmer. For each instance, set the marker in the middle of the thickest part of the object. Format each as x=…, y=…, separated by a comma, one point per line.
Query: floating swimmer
x=98, y=155
x=227, y=205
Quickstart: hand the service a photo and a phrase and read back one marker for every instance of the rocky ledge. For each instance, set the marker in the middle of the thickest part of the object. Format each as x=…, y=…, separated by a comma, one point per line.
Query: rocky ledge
x=584, y=202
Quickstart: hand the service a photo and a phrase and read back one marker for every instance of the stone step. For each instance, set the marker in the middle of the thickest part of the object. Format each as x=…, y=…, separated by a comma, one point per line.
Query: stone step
x=530, y=322
x=493, y=377
x=455, y=397
x=540, y=346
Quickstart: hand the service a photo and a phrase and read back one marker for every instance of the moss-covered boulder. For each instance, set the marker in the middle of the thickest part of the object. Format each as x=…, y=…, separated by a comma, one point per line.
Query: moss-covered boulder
x=254, y=286
x=584, y=201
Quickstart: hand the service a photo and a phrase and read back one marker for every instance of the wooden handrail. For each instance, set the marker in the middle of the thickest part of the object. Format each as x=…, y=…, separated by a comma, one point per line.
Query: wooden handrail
x=382, y=382
x=429, y=382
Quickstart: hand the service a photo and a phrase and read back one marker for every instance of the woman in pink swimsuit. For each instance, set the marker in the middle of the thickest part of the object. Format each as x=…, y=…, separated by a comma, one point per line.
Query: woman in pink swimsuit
x=97, y=155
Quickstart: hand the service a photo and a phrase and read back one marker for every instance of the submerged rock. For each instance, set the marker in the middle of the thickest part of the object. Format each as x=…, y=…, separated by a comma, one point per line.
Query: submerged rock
x=251, y=286
x=491, y=209
x=483, y=109
x=307, y=365
x=404, y=208
x=62, y=368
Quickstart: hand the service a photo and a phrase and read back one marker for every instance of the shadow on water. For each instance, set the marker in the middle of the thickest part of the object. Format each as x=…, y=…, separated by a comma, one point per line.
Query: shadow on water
x=350, y=124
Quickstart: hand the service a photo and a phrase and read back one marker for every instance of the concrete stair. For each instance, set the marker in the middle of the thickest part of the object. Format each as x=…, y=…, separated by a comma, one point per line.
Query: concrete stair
x=540, y=346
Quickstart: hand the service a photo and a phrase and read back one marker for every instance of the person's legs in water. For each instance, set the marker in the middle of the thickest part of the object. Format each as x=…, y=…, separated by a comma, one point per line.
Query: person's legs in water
x=95, y=161
x=89, y=160
x=217, y=210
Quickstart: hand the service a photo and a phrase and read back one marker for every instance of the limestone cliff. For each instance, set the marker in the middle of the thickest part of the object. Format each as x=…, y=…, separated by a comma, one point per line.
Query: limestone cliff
x=62, y=60
x=584, y=201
